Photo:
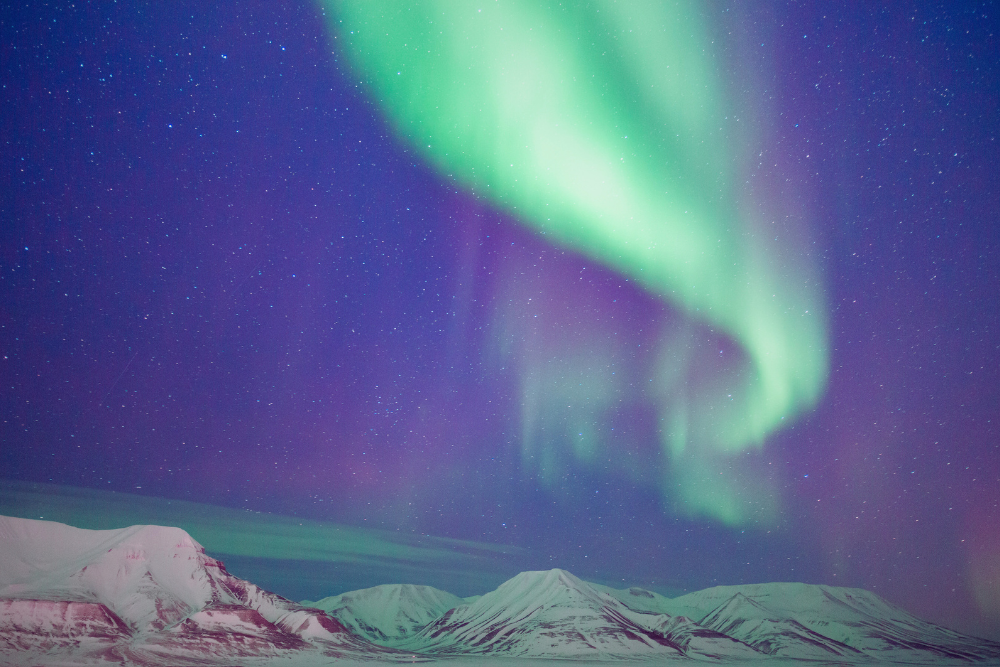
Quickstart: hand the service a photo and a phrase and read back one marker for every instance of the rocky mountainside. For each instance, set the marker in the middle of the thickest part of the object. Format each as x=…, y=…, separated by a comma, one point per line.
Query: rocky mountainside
x=145, y=595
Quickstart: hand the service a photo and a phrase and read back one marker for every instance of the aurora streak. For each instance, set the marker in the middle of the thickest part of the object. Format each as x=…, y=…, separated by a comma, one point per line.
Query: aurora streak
x=608, y=130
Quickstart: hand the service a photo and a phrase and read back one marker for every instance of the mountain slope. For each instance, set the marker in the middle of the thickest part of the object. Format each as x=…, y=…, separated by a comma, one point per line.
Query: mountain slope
x=145, y=593
x=849, y=617
x=639, y=599
x=767, y=631
x=390, y=612
x=555, y=615
x=541, y=614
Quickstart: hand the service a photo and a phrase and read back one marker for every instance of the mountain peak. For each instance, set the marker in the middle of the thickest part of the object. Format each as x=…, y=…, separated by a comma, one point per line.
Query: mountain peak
x=150, y=586
x=547, y=613
x=534, y=589
x=554, y=579
x=738, y=604
x=389, y=612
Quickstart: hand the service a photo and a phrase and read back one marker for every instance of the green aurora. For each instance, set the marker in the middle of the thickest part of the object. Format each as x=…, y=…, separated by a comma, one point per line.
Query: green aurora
x=606, y=127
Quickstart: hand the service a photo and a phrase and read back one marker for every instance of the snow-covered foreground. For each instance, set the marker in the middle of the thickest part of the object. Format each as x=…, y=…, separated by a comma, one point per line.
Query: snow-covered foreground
x=150, y=596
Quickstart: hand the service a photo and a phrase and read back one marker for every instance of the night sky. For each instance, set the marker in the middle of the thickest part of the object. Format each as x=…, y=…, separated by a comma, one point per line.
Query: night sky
x=250, y=280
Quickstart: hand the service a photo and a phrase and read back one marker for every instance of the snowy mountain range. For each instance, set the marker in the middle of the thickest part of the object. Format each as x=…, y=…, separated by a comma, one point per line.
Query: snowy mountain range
x=554, y=614
x=149, y=595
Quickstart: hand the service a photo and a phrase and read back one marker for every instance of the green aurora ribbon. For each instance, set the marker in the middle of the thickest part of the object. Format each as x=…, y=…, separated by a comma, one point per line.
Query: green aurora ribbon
x=604, y=126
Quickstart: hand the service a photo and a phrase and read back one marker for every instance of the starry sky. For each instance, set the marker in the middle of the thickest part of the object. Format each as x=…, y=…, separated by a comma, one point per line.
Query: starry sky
x=664, y=294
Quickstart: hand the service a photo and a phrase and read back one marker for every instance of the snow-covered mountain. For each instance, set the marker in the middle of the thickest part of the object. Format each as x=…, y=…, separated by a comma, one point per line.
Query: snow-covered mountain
x=143, y=595
x=149, y=596
x=390, y=612
x=769, y=632
x=772, y=615
x=541, y=614
x=639, y=599
x=553, y=614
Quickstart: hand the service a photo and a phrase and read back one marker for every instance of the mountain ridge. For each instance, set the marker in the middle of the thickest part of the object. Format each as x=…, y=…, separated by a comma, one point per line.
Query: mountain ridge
x=816, y=622
x=150, y=596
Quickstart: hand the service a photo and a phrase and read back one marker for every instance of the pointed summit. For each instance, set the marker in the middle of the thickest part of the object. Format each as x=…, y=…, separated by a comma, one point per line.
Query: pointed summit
x=543, y=614
x=544, y=588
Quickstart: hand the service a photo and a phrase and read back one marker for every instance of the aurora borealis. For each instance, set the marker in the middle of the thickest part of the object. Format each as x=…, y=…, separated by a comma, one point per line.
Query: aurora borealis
x=574, y=123
x=664, y=294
